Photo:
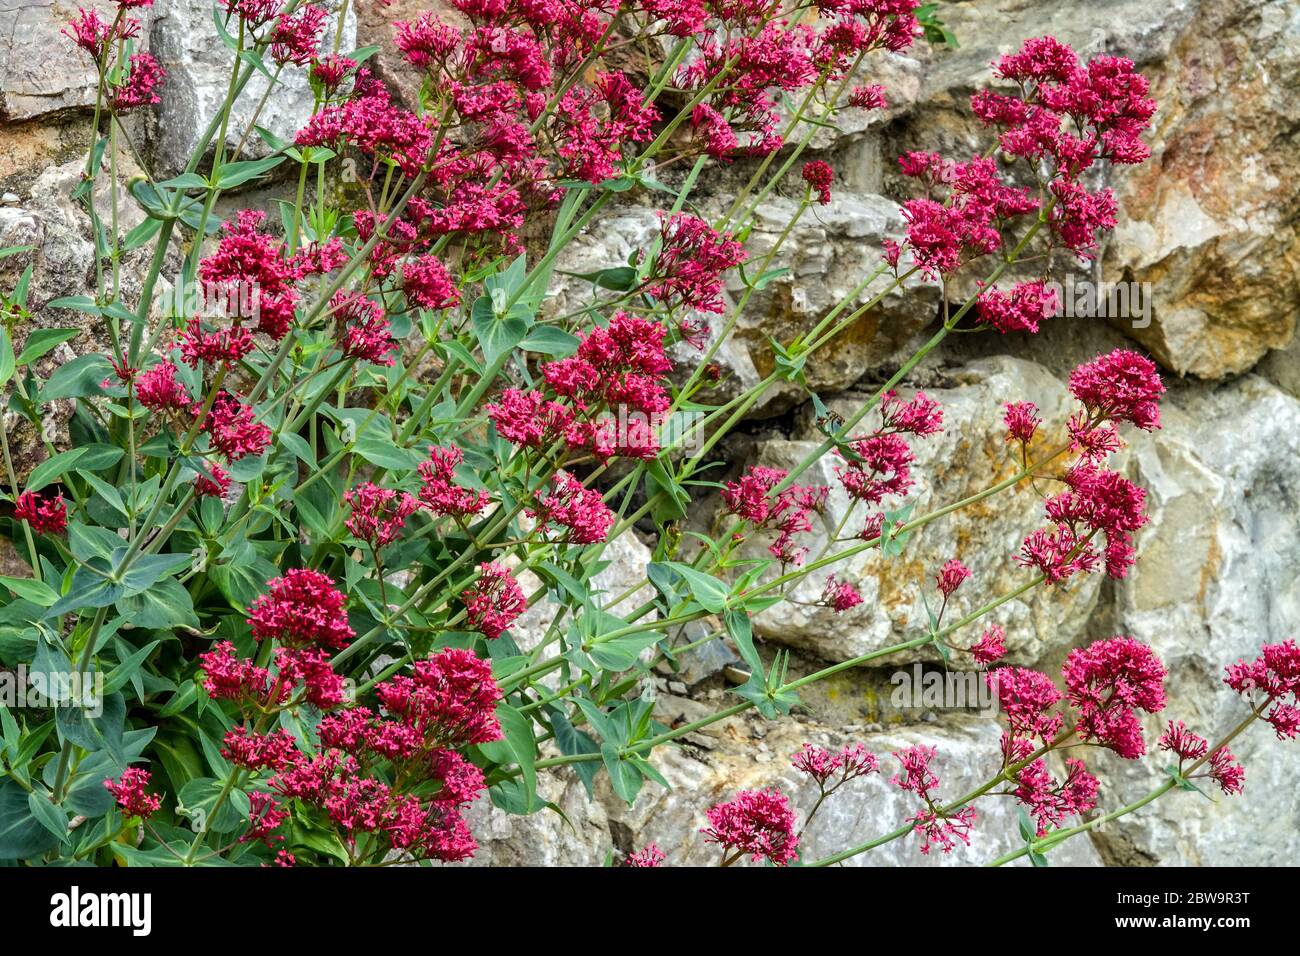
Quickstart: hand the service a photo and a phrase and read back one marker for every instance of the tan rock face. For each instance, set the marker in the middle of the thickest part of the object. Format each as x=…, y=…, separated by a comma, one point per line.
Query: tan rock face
x=969, y=456
x=1210, y=221
x=41, y=71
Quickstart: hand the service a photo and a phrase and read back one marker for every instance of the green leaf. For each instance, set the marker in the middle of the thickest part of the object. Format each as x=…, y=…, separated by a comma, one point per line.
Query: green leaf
x=54, y=819
x=185, y=181
x=29, y=589
x=549, y=340
x=157, y=203
x=21, y=836
x=88, y=590
x=572, y=741
x=95, y=733
x=617, y=279
x=496, y=335
x=741, y=629
x=197, y=801
x=705, y=588
x=387, y=455
x=149, y=568
x=517, y=746
x=7, y=364
x=235, y=174
x=124, y=671
x=625, y=778
x=622, y=653
x=78, y=378
x=42, y=341
x=108, y=492
x=53, y=468
x=165, y=604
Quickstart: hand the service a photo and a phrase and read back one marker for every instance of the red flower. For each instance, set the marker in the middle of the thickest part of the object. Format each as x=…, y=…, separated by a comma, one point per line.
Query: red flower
x=1109, y=683
x=378, y=514
x=440, y=493
x=649, y=857
x=301, y=609
x=494, y=601
x=582, y=511
x=45, y=515
x=130, y=794
x=819, y=175
x=756, y=822
x=951, y=576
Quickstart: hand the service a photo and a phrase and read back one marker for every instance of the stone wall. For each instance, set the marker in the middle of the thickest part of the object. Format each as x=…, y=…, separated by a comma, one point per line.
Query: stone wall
x=1210, y=223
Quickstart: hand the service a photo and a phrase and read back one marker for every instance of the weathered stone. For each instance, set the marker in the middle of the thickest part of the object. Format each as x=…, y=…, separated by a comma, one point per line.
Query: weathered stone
x=755, y=755
x=1216, y=578
x=42, y=71
x=199, y=67
x=967, y=457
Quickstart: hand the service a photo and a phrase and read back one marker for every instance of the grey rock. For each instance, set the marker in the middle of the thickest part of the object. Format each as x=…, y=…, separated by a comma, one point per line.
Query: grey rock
x=199, y=67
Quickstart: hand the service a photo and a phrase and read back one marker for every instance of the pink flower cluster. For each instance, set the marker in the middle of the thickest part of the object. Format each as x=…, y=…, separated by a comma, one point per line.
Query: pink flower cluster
x=1271, y=683
x=1049, y=802
x=1062, y=118
x=787, y=512
x=692, y=258
x=45, y=514
x=616, y=368
x=840, y=596
x=378, y=514
x=849, y=763
x=128, y=790
x=1109, y=683
x=1119, y=387
x=1224, y=768
x=448, y=703
x=301, y=609
x=140, y=86
x=494, y=601
x=759, y=823
x=932, y=825
x=819, y=176
x=755, y=56
x=580, y=511
x=880, y=464
x=439, y=491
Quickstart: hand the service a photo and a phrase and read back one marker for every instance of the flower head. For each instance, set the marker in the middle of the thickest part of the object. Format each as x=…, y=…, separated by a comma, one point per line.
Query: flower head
x=45, y=514
x=819, y=175
x=759, y=823
x=840, y=595
x=1121, y=386
x=301, y=609
x=378, y=514
x=439, y=491
x=139, y=88
x=494, y=601
x=128, y=790
x=649, y=857
x=1022, y=421
x=1109, y=683
x=950, y=577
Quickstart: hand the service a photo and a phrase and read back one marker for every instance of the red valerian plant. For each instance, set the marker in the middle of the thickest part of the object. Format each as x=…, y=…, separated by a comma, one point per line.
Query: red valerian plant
x=329, y=526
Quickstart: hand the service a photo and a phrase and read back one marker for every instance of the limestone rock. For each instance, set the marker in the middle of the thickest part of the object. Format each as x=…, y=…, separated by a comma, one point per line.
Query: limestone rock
x=967, y=457
x=198, y=65
x=1216, y=578
x=41, y=71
